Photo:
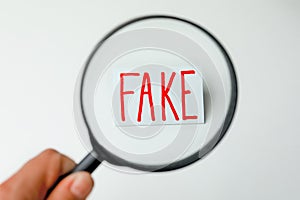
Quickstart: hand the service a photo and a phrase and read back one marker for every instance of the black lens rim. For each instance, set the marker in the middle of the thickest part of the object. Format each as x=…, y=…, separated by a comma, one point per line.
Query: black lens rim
x=102, y=154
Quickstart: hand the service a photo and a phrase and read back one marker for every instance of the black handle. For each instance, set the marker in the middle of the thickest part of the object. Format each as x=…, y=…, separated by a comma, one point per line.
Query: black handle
x=89, y=163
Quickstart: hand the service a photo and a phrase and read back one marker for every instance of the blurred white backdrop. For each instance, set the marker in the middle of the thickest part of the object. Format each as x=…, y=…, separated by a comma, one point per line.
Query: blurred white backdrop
x=43, y=45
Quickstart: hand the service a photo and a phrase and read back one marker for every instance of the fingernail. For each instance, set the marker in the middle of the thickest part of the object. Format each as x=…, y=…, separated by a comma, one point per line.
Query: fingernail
x=82, y=185
x=67, y=165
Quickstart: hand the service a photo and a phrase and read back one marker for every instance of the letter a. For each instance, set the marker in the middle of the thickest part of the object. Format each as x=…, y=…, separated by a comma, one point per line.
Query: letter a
x=146, y=82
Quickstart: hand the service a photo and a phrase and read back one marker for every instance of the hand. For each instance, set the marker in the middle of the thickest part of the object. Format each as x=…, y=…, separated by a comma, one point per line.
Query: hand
x=34, y=179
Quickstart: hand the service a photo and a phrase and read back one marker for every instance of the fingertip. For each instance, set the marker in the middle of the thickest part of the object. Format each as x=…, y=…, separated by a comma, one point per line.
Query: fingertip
x=82, y=185
x=56, y=158
x=76, y=186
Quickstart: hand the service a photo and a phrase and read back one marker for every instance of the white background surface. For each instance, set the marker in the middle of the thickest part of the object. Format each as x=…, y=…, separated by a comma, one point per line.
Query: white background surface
x=43, y=45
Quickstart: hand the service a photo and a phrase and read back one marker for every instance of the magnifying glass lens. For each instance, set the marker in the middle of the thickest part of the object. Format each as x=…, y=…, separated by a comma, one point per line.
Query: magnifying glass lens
x=156, y=94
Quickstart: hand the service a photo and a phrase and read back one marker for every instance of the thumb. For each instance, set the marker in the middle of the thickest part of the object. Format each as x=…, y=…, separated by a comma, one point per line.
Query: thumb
x=76, y=186
x=36, y=176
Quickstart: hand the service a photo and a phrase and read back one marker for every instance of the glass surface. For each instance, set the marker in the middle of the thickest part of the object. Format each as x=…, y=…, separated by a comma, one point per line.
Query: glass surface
x=155, y=45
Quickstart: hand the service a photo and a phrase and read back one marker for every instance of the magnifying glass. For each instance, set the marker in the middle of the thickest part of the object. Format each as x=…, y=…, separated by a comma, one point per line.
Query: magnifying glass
x=156, y=94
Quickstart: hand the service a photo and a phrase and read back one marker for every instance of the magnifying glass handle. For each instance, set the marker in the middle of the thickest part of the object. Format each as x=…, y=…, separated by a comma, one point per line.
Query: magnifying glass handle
x=89, y=163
